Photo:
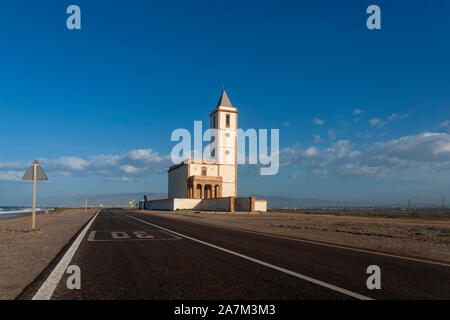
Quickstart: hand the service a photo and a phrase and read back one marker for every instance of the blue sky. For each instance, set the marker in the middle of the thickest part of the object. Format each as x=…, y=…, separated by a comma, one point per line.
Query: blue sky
x=91, y=102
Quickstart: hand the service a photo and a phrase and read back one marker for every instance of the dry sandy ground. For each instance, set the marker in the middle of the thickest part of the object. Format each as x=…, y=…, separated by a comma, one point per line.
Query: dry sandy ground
x=24, y=254
x=429, y=239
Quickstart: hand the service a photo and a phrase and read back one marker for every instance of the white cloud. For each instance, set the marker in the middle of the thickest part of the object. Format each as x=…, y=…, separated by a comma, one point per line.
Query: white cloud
x=11, y=175
x=14, y=165
x=377, y=122
x=70, y=163
x=357, y=111
x=129, y=169
x=426, y=152
x=396, y=116
x=311, y=151
x=319, y=122
x=136, y=163
x=145, y=155
x=317, y=138
x=410, y=154
x=425, y=147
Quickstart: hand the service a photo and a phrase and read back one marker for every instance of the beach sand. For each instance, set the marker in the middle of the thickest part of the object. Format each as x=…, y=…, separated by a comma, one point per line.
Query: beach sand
x=417, y=238
x=25, y=254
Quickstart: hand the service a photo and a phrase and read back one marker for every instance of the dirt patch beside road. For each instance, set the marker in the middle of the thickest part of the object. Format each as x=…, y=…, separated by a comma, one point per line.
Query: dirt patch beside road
x=25, y=254
x=428, y=239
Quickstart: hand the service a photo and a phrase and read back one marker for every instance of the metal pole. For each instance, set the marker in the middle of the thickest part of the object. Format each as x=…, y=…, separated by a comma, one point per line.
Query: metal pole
x=33, y=224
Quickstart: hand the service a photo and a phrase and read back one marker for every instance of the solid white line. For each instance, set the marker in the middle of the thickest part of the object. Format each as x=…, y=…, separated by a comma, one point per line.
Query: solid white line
x=391, y=255
x=269, y=265
x=45, y=292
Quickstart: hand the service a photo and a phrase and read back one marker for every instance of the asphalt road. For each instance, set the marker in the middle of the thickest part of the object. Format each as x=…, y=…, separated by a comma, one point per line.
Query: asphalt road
x=131, y=255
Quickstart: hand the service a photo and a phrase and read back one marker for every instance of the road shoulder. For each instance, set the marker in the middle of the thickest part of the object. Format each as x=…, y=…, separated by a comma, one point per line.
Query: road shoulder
x=26, y=255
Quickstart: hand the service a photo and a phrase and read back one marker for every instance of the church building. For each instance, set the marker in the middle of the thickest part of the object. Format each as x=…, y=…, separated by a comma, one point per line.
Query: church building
x=215, y=177
x=210, y=184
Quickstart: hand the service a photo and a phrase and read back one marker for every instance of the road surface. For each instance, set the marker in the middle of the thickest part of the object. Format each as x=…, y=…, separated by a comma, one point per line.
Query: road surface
x=130, y=255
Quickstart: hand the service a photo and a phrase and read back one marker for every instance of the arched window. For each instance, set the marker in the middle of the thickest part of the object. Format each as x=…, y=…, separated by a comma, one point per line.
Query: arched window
x=227, y=120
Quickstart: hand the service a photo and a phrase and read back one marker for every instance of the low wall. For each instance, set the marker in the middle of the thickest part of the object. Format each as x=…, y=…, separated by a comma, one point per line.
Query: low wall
x=243, y=204
x=179, y=204
x=261, y=205
x=163, y=204
x=217, y=204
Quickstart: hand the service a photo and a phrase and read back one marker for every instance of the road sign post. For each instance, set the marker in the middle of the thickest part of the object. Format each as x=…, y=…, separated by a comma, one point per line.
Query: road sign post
x=34, y=173
x=33, y=223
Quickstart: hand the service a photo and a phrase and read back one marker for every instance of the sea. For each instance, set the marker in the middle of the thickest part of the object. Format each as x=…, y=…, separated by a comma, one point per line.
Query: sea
x=8, y=211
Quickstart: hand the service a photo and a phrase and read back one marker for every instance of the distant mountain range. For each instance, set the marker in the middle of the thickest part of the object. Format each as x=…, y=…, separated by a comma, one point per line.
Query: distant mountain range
x=272, y=201
x=115, y=199
x=123, y=199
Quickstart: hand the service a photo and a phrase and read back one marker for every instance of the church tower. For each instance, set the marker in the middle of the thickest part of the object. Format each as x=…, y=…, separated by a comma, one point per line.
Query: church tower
x=224, y=119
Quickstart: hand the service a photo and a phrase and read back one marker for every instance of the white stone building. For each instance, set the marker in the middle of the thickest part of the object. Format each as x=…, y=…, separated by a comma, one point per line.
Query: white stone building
x=214, y=177
x=210, y=184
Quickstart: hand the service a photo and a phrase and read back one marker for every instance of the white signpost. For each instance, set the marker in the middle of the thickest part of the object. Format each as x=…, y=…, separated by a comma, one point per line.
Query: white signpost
x=34, y=173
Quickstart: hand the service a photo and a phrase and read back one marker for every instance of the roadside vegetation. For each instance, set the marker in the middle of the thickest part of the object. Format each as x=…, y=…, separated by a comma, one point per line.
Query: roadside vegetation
x=426, y=214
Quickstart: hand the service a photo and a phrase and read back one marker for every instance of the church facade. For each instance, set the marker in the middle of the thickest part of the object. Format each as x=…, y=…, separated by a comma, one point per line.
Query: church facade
x=214, y=177
x=210, y=184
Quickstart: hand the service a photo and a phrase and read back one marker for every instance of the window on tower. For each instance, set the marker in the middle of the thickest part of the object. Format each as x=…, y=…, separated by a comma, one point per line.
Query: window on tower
x=213, y=146
x=227, y=121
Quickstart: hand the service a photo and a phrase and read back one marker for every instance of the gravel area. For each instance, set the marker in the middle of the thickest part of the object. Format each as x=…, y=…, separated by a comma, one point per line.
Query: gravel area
x=25, y=254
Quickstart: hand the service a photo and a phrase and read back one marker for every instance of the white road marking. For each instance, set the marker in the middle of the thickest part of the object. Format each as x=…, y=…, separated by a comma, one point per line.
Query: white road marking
x=119, y=235
x=269, y=265
x=92, y=236
x=45, y=292
x=147, y=237
x=322, y=244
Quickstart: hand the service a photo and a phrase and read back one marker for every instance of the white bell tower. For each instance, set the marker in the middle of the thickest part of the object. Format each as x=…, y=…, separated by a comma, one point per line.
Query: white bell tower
x=224, y=119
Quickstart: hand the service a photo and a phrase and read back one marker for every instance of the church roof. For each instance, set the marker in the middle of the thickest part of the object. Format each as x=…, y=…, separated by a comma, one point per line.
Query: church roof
x=224, y=101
